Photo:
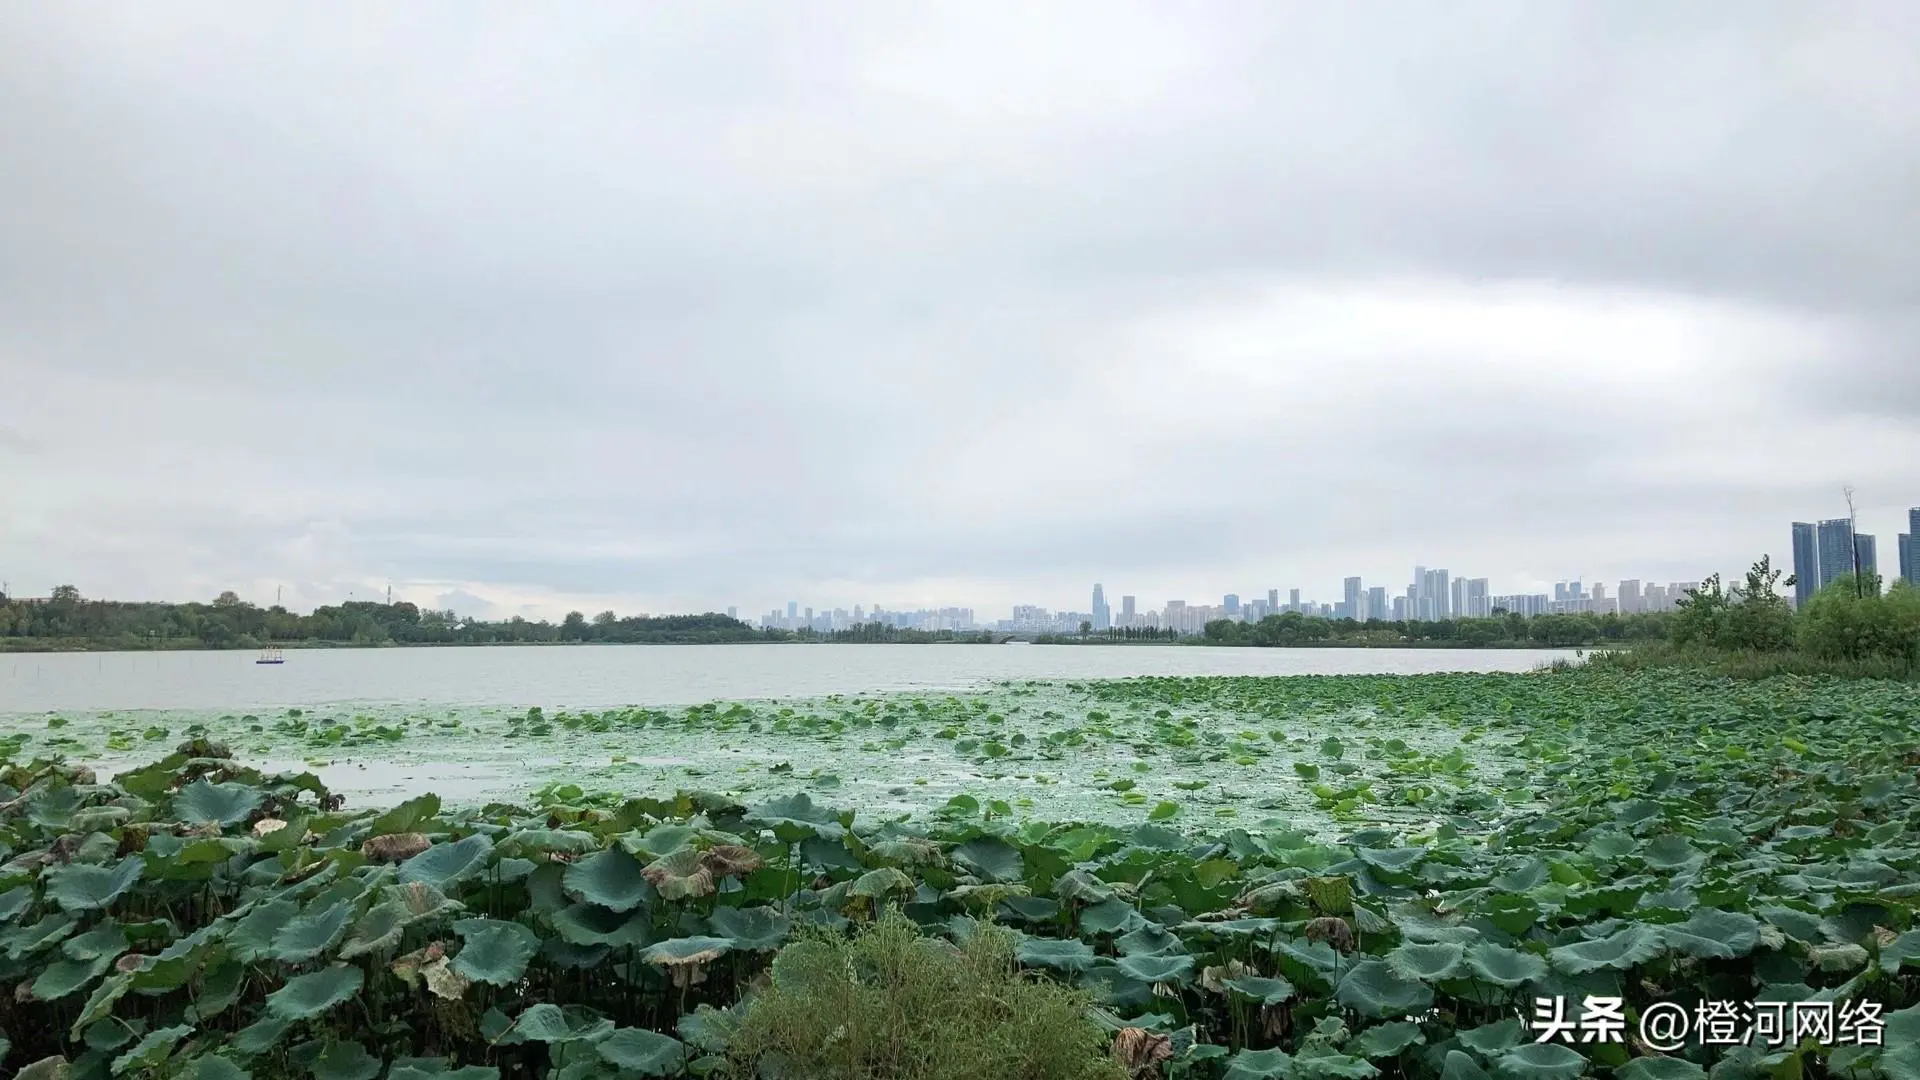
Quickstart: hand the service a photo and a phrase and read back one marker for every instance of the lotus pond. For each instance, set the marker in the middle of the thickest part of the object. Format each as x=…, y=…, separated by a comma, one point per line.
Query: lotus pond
x=1311, y=878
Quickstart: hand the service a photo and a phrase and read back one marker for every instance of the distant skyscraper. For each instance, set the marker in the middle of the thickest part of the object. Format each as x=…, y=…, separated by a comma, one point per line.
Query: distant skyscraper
x=1478, y=602
x=1377, y=602
x=1630, y=596
x=1102, y=617
x=1293, y=599
x=1353, y=594
x=1127, y=611
x=1834, y=538
x=1806, y=563
x=1913, y=559
x=1232, y=603
x=1909, y=563
x=1435, y=594
x=1867, y=553
x=793, y=610
x=733, y=612
x=1457, y=601
x=1273, y=601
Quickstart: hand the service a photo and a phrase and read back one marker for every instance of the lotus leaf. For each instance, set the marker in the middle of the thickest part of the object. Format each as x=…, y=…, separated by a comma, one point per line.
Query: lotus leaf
x=1373, y=989
x=610, y=878
x=645, y=1052
x=495, y=951
x=309, y=995
x=80, y=887
x=1540, y=1061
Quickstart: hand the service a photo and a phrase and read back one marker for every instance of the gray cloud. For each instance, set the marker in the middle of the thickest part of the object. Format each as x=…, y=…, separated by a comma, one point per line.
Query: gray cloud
x=679, y=308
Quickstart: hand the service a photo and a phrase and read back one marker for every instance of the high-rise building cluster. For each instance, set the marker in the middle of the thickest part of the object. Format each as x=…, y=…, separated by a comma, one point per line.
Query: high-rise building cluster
x=827, y=620
x=1823, y=552
x=1826, y=551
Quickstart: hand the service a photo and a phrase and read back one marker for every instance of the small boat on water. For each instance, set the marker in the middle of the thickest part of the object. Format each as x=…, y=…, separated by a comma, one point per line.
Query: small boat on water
x=271, y=655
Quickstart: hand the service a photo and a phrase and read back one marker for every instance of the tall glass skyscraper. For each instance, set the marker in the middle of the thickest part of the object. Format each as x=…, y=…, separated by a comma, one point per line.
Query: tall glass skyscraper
x=1102, y=618
x=1835, y=540
x=1867, y=554
x=1909, y=565
x=1912, y=569
x=1806, y=564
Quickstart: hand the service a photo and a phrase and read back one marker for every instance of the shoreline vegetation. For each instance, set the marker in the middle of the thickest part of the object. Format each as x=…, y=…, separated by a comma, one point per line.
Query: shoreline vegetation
x=1848, y=629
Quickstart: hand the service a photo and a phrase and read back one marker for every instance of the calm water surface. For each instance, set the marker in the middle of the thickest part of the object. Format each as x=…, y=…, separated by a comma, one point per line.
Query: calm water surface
x=599, y=676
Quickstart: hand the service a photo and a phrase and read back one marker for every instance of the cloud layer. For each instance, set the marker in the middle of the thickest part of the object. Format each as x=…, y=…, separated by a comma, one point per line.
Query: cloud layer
x=687, y=306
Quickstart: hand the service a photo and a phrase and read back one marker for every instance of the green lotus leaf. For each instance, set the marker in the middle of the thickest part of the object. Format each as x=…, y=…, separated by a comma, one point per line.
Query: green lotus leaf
x=108, y=938
x=436, y=1069
x=549, y=842
x=1392, y=860
x=591, y=924
x=23, y=941
x=1149, y=940
x=794, y=817
x=610, y=878
x=1260, y=1065
x=1386, y=1040
x=1504, y=967
x=1078, y=885
x=1511, y=912
x=47, y=1068
x=311, y=994
x=14, y=902
x=1264, y=990
x=378, y=931
x=201, y=803
x=1427, y=963
x=1899, y=952
x=708, y=1029
x=1659, y=1068
x=1332, y=1066
x=1713, y=933
x=991, y=859
x=1373, y=989
x=910, y=850
x=152, y=1049
x=646, y=1052
x=1461, y=1066
x=211, y=1067
x=1671, y=852
x=884, y=881
x=1107, y=916
x=445, y=865
x=546, y=1023
x=81, y=887
x=113, y=1033
x=311, y=933
x=496, y=951
x=220, y=986
x=64, y=977
x=408, y=817
x=1619, y=951
x=101, y=1002
x=754, y=929
x=1150, y=968
x=685, y=950
x=252, y=937
x=1540, y=1061
x=345, y=1059
x=260, y=1036
x=1056, y=954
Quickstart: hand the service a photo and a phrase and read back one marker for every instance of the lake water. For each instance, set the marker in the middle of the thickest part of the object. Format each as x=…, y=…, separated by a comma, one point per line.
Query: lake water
x=601, y=676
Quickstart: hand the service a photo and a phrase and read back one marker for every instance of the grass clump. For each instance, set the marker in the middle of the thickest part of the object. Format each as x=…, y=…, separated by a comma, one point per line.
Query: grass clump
x=892, y=1003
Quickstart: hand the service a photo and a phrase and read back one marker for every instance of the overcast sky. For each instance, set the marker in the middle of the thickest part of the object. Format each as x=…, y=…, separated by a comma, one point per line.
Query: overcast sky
x=674, y=306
